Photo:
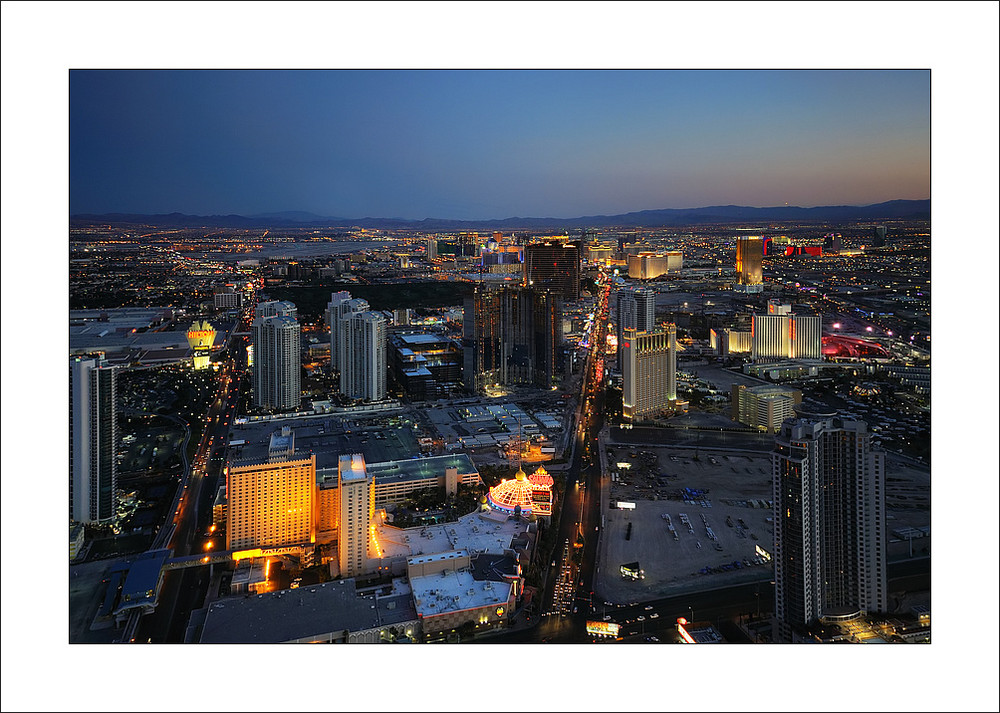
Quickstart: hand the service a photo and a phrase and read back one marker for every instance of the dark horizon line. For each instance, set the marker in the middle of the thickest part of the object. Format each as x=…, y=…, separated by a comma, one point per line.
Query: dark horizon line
x=725, y=212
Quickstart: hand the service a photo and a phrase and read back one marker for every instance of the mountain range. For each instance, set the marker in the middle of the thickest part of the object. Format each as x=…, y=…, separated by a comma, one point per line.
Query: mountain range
x=664, y=217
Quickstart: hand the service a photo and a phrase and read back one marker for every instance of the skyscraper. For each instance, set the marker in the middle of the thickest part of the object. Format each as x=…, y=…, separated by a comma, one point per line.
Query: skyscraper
x=338, y=339
x=363, y=365
x=357, y=507
x=271, y=501
x=647, y=264
x=783, y=335
x=277, y=308
x=878, y=236
x=511, y=336
x=636, y=309
x=649, y=371
x=277, y=362
x=749, y=264
x=554, y=265
x=829, y=522
x=93, y=439
x=332, y=316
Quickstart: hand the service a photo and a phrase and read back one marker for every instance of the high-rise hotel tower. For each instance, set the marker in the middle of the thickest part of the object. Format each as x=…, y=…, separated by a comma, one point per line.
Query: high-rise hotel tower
x=829, y=522
x=749, y=264
x=636, y=309
x=649, y=371
x=511, y=336
x=277, y=363
x=362, y=354
x=780, y=334
x=93, y=439
x=554, y=265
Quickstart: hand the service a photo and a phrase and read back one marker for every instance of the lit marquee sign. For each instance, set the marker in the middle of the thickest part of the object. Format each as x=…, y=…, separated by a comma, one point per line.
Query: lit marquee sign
x=602, y=628
x=682, y=630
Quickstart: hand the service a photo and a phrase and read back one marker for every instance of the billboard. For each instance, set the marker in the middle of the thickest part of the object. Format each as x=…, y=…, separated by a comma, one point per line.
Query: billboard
x=602, y=628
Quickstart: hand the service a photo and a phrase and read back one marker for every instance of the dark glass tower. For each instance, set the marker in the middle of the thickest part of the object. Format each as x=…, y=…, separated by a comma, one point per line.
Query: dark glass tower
x=554, y=265
x=829, y=522
x=511, y=336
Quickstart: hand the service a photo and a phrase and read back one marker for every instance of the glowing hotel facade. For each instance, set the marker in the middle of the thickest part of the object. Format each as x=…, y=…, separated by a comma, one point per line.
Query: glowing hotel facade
x=271, y=504
x=786, y=336
x=649, y=371
x=749, y=264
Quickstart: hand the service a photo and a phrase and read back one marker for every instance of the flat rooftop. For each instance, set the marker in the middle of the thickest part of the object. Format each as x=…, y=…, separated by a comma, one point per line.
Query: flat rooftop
x=454, y=591
x=421, y=468
x=424, y=338
x=352, y=468
x=327, y=437
x=477, y=532
x=292, y=614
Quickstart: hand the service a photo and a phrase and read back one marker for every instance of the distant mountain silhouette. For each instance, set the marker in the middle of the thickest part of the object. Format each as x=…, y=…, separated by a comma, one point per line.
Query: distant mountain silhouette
x=665, y=217
x=298, y=216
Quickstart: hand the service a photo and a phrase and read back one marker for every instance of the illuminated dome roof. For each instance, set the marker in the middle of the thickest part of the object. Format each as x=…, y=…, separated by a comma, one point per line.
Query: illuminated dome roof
x=511, y=493
x=531, y=493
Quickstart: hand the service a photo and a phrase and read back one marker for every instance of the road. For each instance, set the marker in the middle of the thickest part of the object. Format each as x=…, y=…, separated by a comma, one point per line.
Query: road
x=189, y=531
x=579, y=519
x=720, y=607
x=579, y=513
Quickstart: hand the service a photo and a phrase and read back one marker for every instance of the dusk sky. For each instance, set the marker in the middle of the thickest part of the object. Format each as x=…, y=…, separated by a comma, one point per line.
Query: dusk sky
x=493, y=144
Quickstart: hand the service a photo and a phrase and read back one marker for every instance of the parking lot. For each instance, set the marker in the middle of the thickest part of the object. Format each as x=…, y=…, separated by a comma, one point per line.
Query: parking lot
x=697, y=517
x=697, y=520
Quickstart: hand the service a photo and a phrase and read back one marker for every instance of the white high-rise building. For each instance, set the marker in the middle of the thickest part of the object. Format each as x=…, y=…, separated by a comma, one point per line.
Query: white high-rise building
x=357, y=507
x=363, y=371
x=276, y=353
x=333, y=314
x=783, y=335
x=277, y=308
x=338, y=345
x=765, y=407
x=649, y=371
x=93, y=440
x=637, y=309
x=829, y=522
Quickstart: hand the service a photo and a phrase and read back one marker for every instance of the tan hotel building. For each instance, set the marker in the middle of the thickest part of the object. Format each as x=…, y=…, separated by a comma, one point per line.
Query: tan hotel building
x=271, y=504
x=282, y=500
x=649, y=372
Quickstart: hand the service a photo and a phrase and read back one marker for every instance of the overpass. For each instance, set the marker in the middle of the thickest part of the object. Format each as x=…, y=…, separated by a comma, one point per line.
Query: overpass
x=143, y=578
x=222, y=556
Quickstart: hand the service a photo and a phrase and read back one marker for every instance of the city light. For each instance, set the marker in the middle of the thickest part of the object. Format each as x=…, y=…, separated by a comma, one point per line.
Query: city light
x=675, y=401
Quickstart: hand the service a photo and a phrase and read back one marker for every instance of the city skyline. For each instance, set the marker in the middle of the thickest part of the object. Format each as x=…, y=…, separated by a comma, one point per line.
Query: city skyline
x=493, y=144
x=955, y=45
